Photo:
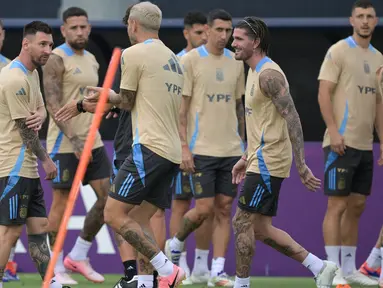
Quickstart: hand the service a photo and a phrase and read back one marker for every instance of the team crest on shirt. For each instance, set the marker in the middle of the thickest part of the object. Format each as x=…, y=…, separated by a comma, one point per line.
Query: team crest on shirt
x=366, y=67
x=219, y=75
x=65, y=176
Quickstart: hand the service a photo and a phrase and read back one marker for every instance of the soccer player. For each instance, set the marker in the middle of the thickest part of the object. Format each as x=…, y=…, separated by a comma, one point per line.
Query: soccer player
x=274, y=132
x=22, y=115
x=67, y=73
x=3, y=60
x=373, y=266
x=348, y=102
x=211, y=128
x=195, y=23
x=151, y=87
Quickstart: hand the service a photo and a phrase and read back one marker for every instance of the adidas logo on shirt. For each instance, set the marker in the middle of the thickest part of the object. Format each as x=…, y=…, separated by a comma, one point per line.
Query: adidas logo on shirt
x=77, y=71
x=21, y=92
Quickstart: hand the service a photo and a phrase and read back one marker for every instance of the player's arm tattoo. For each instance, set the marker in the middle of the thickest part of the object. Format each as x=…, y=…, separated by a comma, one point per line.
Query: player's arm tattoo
x=273, y=85
x=244, y=242
x=53, y=73
x=125, y=100
x=39, y=252
x=241, y=118
x=31, y=139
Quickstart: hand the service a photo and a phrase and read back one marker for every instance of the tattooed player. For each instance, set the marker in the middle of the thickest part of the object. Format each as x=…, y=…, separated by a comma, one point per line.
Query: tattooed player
x=69, y=70
x=22, y=115
x=274, y=131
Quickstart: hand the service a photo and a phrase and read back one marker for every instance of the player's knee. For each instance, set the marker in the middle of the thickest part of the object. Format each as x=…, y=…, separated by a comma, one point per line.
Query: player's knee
x=336, y=205
x=223, y=210
x=204, y=210
x=356, y=206
x=180, y=207
x=9, y=235
x=109, y=215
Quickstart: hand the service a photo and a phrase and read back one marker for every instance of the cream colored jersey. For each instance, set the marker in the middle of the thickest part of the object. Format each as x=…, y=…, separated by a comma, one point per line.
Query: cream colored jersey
x=20, y=95
x=353, y=69
x=80, y=71
x=153, y=71
x=214, y=83
x=3, y=61
x=269, y=147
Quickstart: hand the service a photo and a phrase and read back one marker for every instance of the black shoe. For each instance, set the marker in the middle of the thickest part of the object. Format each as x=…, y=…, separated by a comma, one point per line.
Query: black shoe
x=125, y=283
x=155, y=280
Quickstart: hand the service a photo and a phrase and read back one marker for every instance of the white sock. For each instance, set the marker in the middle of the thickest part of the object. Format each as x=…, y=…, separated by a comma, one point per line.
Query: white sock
x=145, y=281
x=381, y=263
x=217, y=266
x=12, y=255
x=184, y=264
x=162, y=264
x=373, y=261
x=333, y=254
x=60, y=268
x=348, y=260
x=200, y=262
x=80, y=250
x=55, y=284
x=242, y=282
x=1, y=284
x=176, y=245
x=313, y=263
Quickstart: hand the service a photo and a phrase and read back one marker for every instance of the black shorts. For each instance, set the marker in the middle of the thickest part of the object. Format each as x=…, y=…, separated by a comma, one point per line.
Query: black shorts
x=66, y=163
x=20, y=198
x=351, y=173
x=144, y=176
x=213, y=176
x=260, y=194
x=116, y=164
x=180, y=187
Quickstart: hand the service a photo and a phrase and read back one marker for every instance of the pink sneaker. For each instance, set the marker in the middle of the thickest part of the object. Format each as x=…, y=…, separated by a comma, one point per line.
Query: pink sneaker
x=83, y=267
x=173, y=280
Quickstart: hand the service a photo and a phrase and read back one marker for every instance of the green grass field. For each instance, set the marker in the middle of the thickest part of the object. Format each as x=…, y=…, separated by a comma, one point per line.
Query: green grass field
x=33, y=281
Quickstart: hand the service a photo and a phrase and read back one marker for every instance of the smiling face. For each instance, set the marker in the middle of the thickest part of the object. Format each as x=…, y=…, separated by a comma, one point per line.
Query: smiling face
x=243, y=45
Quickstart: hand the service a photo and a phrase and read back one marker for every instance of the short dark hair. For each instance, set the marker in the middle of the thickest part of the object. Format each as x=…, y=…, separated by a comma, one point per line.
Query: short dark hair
x=218, y=14
x=36, y=26
x=362, y=4
x=74, y=12
x=256, y=29
x=127, y=14
x=195, y=17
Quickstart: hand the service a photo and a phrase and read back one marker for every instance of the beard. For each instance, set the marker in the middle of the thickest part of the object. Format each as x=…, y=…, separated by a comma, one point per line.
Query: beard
x=79, y=45
x=40, y=61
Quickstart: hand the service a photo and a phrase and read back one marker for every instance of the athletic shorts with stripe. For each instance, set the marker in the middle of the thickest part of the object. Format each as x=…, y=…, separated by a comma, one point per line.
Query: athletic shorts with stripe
x=350, y=173
x=144, y=176
x=180, y=187
x=66, y=163
x=260, y=193
x=20, y=199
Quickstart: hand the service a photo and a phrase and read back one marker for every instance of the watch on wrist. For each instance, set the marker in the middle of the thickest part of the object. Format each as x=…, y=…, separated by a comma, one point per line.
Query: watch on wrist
x=80, y=107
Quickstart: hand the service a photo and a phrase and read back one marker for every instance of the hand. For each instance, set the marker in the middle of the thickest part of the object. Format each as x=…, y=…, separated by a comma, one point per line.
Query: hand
x=50, y=169
x=187, y=160
x=239, y=171
x=35, y=121
x=93, y=93
x=380, y=160
x=337, y=143
x=89, y=106
x=308, y=179
x=67, y=112
x=112, y=115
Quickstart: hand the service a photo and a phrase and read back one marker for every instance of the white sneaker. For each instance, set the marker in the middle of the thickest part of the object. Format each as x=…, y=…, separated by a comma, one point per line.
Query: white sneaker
x=338, y=279
x=326, y=275
x=187, y=281
x=65, y=279
x=221, y=280
x=198, y=278
x=173, y=255
x=358, y=278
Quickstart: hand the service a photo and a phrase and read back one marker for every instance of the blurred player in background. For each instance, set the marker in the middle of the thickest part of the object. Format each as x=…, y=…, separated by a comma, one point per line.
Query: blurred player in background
x=195, y=26
x=212, y=130
x=66, y=75
x=274, y=133
x=23, y=114
x=10, y=273
x=350, y=107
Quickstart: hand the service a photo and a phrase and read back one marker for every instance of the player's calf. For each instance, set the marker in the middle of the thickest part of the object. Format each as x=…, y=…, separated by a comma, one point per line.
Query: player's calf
x=8, y=236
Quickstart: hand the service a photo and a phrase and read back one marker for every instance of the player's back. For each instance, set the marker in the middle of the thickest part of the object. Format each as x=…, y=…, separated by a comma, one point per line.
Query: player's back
x=80, y=71
x=269, y=146
x=155, y=116
x=353, y=69
x=19, y=96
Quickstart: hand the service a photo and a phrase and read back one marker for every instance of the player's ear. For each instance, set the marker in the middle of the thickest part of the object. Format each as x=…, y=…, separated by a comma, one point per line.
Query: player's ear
x=90, y=29
x=257, y=41
x=351, y=19
x=62, y=29
x=186, y=34
x=25, y=43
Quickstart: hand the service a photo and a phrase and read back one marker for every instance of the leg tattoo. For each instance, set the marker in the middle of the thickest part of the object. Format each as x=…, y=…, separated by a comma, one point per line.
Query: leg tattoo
x=93, y=221
x=1, y=273
x=52, y=238
x=145, y=267
x=188, y=226
x=244, y=242
x=39, y=252
x=119, y=239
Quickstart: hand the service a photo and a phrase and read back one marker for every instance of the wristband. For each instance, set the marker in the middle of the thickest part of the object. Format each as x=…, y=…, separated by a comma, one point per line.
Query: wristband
x=80, y=108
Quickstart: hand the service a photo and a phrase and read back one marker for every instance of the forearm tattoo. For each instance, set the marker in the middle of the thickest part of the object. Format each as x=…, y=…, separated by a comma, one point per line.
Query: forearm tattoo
x=244, y=242
x=31, y=140
x=128, y=99
x=188, y=226
x=39, y=252
x=241, y=119
x=273, y=85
